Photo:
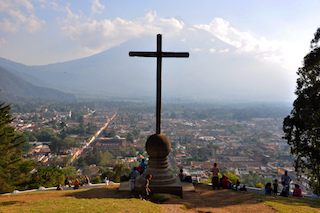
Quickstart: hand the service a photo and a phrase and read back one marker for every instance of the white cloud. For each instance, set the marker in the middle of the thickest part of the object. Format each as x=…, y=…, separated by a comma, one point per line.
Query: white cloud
x=224, y=51
x=33, y=24
x=212, y=50
x=7, y=4
x=54, y=5
x=96, y=7
x=95, y=36
x=19, y=14
x=244, y=41
x=2, y=41
x=8, y=26
x=196, y=49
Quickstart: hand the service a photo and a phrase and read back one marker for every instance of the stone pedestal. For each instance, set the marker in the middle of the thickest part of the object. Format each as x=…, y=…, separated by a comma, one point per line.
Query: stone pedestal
x=158, y=147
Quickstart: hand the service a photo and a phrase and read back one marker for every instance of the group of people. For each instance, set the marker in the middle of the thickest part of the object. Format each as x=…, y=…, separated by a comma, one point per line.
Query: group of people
x=224, y=181
x=285, y=181
x=77, y=184
x=144, y=185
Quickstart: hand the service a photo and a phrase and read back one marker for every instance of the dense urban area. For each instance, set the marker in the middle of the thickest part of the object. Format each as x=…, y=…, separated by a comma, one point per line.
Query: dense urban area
x=107, y=139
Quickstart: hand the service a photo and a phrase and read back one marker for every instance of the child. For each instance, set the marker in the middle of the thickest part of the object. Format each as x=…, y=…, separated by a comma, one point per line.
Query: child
x=275, y=187
x=297, y=191
x=243, y=188
x=285, y=190
x=145, y=189
x=268, y=189
x=237, y=185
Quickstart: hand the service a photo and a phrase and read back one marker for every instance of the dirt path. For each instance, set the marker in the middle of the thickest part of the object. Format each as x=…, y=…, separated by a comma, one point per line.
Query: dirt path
x=207, y=200
x=203, y=200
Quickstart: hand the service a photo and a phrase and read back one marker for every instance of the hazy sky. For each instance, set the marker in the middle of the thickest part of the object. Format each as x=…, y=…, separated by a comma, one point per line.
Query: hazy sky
x=48, y=31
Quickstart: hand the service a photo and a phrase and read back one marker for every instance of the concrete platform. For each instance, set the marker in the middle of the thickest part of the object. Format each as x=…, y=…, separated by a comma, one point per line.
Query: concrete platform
x=65, y=188
x=186, y=187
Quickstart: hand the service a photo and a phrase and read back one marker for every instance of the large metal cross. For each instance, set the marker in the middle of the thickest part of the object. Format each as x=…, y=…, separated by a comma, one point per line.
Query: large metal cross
x=159, y=54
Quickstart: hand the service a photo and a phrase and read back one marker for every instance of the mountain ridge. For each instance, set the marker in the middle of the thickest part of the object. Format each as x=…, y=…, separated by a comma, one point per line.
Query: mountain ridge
x=214, y=70
x=15, y=87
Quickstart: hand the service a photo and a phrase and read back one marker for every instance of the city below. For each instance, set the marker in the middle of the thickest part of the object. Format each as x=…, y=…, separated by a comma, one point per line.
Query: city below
x=250, y=147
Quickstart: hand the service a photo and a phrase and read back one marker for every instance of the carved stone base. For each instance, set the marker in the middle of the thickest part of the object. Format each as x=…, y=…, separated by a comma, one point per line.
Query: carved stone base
x=158, y=147
x=163, y=181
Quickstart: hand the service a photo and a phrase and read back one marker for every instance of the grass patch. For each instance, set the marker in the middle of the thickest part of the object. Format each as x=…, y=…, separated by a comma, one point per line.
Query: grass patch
x=289, y=204
x=161, y=198
x=237, y=201
x=8, y=203
x=71, y=204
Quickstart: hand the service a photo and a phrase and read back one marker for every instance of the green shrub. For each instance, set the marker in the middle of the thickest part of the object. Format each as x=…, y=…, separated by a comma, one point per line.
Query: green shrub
x=96, y=179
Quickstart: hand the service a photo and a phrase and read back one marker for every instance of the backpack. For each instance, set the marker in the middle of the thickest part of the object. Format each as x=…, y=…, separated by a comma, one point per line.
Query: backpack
x=140, y=169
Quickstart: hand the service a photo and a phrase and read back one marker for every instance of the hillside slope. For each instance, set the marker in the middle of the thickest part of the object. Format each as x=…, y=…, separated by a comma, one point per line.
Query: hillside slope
x=15, y=87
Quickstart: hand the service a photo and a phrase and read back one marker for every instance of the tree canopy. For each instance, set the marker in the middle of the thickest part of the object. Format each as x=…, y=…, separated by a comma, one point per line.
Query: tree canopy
x=13, y=169
x=302, y=126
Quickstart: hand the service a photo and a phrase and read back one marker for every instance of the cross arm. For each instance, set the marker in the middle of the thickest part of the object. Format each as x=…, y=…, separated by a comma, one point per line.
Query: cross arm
x=143, y=54
x=175, y=54
x=162, y=54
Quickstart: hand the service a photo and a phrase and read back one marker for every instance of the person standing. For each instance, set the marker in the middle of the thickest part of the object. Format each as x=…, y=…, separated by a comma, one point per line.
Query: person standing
x=181, y=175
x=275, y=187
x=286, y=178
x=215, y=176
x=145, y=186
x=143, y=166
x=133, y=174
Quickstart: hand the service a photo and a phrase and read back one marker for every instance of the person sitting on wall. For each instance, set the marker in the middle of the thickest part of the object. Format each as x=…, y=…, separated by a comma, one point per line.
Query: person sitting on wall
x=197, y=179
x=59, y=187
x=76, y=184
x=85, y=181
x=226, y=183
x=67, y=181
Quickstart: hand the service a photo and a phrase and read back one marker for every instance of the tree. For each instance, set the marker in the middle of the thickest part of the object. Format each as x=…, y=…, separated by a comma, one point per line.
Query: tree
x=13, y=170
x=93, y=157
x=47, y=177
x=69, y=171
x=56, y=145
x=31, y=137
x=46, y=135
x=302, y=126
x=111, y=134
x=130, y=137
x=136, y=133
x=81, y=125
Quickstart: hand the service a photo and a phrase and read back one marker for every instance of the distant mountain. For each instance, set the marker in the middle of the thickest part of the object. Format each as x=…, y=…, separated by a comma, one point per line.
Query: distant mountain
x=14, y=87
x=214, y=70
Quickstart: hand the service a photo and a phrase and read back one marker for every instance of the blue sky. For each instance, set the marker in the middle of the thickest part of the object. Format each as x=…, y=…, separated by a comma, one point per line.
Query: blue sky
x=48, y=31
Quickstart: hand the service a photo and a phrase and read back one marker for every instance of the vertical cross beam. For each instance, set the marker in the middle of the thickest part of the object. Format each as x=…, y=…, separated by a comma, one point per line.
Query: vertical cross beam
x=159, y=83
x=159, y=54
